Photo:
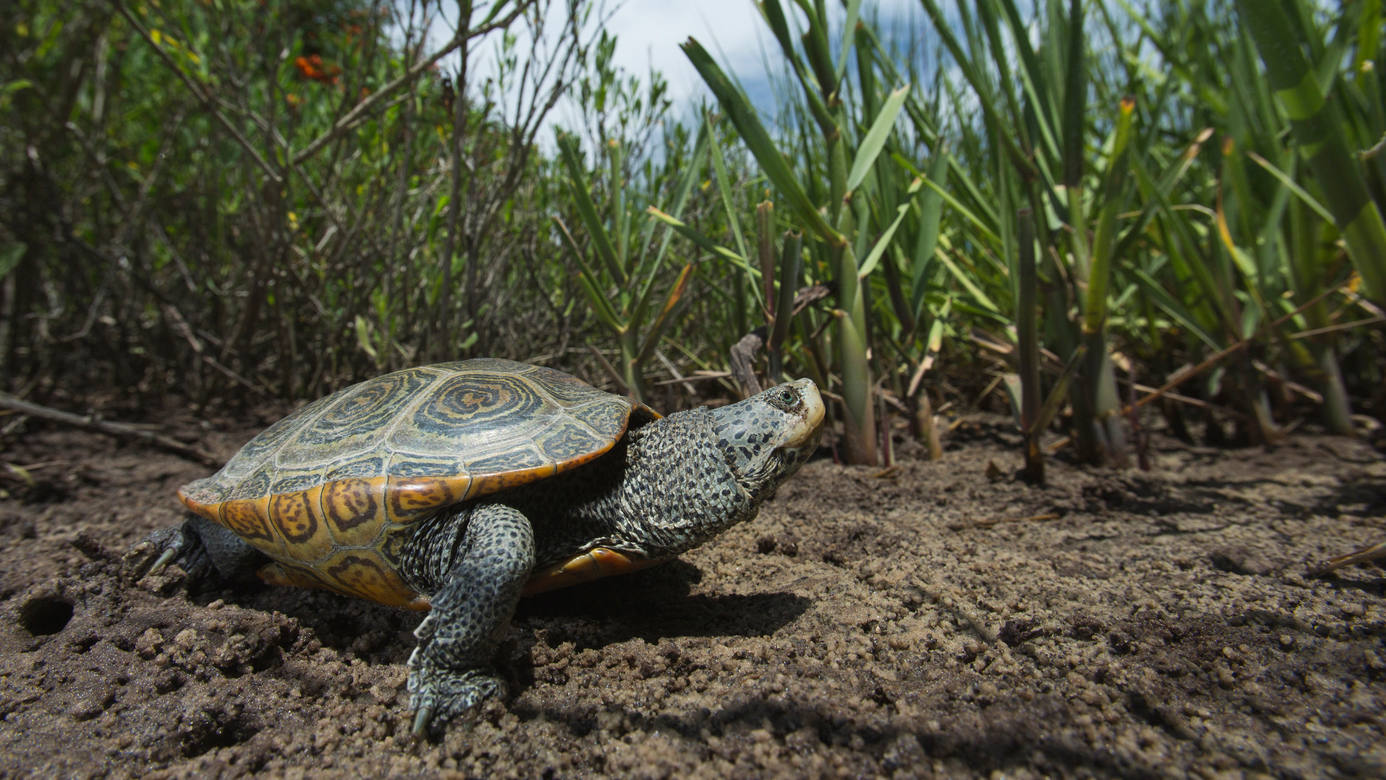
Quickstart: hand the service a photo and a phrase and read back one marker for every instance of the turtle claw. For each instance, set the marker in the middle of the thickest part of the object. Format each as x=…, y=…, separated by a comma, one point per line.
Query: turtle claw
x=163, y=560
x=421, y=721
x=437, y=696
x=168, y=543
x=1365, y=555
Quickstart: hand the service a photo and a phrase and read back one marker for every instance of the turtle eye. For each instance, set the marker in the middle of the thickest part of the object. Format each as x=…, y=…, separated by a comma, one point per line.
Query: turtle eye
x=788, y=397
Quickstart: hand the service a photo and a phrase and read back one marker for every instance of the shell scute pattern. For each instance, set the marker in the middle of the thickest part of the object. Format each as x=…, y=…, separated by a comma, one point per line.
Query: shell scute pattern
x=488, y=364
x=352, y=508
x=474, y=413
x=268, y=442
x=424, y=466
x=411, y=497
x=250, y=521
x=391, y=545
x=354, y=422
x=330, y=491
x=602, y=417
x=567, y=442
x=363, y=573
x=514, y=458
x=297, y=518
x=254, y=486
x=294, y=483
x=363, y=468
x=566, y=389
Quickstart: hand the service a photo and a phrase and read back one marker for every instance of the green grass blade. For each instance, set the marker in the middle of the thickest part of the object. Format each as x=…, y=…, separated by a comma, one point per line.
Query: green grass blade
x=1173, y=307
x=875, y=139
x=703, y=241
x=724, y=188
x=1095, y=312
x=749, y=126
x=1319, y=132
x=1075, y=98
x=582, y=198
x=966, y=281
x=848, y=30
x=656, y=330
x=790, y=260
x=1060, y=389
x=1289, y=182
x=882, y=243
x=930, y=215
x=967, y=214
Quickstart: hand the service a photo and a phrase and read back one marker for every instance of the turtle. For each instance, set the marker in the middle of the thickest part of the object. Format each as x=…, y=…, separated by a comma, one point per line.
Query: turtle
x=460, y=487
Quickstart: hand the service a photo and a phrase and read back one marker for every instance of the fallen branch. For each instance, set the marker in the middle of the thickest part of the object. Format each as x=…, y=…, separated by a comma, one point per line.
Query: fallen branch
x=118, y=430
x=743, y=355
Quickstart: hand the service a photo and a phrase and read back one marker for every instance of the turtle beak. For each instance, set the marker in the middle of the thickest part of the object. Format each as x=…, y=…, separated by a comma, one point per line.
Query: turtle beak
x=810, y=428
x=801, y=435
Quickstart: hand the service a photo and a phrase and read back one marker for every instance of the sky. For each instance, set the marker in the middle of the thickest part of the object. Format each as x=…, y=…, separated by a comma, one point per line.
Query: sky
x=649, y=33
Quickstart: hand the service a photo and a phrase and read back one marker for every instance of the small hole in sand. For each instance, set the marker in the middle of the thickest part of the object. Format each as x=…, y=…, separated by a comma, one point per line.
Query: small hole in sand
x=45, y=616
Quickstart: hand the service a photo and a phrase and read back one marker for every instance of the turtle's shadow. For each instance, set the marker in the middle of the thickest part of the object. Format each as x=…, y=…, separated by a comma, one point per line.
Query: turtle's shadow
x=653, y=604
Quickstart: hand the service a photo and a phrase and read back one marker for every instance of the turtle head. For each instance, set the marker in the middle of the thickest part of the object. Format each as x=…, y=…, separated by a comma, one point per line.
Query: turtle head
x=766, y=438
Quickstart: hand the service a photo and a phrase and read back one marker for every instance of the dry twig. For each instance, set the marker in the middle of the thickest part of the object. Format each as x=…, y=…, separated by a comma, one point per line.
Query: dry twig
x=118, y=430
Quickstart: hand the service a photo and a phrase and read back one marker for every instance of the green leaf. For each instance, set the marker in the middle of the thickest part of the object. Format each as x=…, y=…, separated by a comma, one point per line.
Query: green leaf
x=790, y=259
x=882, y=243
x=1060, y=389
x=9, y=88
x=662, y=320
x=701, y=240
x=1319, y=132
x=600, y=306
x=1075, y=98
x=748, y=125
x=876, y=137
x=1300, y=192
x=648, y=267
x=10, y=257
x=930, y=215
x=363, y=336
x=1173, y=308
x=981, y=226
x=1095, y=306
x=582, y=198
x=966, y=281
x=724, y=188
x=848, y=30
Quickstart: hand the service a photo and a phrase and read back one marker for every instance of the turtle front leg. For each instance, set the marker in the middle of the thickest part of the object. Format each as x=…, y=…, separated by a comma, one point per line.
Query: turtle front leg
x=450, y=671
x=206, y=551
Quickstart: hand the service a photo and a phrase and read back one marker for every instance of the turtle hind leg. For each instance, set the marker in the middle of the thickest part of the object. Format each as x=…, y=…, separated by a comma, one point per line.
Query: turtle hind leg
x=209, y=553
x=450, y=671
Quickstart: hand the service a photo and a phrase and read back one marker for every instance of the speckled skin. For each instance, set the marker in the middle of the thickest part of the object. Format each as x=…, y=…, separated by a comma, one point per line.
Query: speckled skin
x=665, y=487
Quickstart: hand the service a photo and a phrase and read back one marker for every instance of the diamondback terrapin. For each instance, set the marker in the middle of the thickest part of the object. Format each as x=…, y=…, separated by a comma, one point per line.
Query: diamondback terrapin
x=459, y=487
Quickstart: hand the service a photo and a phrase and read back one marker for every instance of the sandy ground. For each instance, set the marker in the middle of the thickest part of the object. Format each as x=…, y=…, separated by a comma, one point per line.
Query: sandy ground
x=924, y=622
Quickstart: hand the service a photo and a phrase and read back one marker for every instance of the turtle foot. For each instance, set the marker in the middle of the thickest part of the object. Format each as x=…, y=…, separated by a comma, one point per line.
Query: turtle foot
x=166, y=546
x=440, y=695
x=211, y=555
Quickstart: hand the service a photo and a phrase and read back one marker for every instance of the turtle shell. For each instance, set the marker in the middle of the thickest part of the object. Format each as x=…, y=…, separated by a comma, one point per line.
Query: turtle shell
x=332, y=491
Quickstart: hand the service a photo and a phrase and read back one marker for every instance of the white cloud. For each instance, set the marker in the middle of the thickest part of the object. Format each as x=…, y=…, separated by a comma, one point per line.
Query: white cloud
x=649, y=33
